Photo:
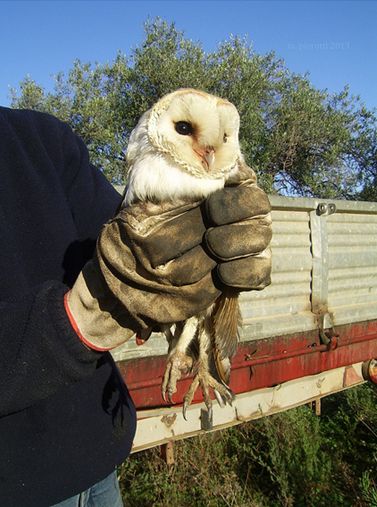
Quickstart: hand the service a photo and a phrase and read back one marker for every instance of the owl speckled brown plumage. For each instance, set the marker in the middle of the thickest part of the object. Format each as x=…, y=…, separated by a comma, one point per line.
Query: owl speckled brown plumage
x=183, y=149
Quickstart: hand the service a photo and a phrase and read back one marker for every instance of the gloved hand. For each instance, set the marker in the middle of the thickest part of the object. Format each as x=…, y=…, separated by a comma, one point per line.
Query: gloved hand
x=241, y=232
x=155, y=264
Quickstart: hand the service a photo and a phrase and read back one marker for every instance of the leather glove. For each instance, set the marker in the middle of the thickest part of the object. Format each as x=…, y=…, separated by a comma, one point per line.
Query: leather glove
x=158, y=264
x=241, y=232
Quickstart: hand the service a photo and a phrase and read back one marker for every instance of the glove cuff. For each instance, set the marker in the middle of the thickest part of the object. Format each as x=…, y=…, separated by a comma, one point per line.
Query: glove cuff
x=97, y=318
x=76, y=329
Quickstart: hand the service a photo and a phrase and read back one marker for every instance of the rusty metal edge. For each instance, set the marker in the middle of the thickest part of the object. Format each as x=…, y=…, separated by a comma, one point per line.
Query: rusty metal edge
x=160, y=418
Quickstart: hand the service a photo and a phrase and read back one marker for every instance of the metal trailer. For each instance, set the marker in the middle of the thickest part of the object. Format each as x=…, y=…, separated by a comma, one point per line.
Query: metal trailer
x=311, y=333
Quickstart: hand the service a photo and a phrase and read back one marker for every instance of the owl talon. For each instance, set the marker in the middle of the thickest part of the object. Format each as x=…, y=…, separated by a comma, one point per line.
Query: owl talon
x=226, y=395
x=220, y=400
x=203, y=378
x=184, y=410
x=177, y=364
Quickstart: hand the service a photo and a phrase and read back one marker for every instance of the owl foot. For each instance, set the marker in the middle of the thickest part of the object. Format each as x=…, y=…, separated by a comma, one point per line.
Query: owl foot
x=178, y=363
x=207, y=381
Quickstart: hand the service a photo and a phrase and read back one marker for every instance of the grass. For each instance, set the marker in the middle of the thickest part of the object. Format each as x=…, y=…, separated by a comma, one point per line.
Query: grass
x=289, y=459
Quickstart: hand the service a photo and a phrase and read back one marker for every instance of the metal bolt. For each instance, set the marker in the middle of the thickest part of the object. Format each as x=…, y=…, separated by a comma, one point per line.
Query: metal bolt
x=325, y=208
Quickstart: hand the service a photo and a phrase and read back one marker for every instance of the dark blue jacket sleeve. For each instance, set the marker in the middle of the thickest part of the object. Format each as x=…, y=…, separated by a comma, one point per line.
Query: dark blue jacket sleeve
x=39, y=351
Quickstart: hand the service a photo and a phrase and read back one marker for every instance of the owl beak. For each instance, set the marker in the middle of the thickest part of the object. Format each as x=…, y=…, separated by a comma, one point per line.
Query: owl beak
x=207, y=155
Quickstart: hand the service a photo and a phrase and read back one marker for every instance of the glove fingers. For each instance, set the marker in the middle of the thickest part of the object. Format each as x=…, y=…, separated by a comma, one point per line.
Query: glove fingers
x=247, y=273
x=233, y=204
x=190, y=267
x=168, y=241
x=228, y=242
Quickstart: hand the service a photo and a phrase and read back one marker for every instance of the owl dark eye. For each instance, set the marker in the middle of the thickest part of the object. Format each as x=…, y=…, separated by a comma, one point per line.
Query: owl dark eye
x=225, y=138
x=184, y=128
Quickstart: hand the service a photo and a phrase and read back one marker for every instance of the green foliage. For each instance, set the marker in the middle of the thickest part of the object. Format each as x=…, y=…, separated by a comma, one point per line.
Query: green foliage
x=289, y=459
x=368, y=489
x=205, y=474
x=300, y=140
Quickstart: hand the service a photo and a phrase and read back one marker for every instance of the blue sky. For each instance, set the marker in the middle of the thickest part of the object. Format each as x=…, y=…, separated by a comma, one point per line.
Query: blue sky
x=335, y=41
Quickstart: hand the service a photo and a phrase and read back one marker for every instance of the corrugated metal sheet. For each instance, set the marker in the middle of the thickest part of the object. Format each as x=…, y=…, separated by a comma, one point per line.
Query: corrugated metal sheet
x=283, y=307
x=352, y=281
x=320, y=263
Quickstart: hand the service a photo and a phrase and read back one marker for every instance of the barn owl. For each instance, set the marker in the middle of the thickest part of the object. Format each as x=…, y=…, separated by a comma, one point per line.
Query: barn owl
x=183, y=149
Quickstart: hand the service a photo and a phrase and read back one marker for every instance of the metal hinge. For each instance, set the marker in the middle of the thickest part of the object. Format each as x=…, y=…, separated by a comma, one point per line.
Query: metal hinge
x=327, y=333
x=320, y=272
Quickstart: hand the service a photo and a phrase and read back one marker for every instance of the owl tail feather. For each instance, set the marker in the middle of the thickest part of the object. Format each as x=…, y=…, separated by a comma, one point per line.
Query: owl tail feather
x=225, y=320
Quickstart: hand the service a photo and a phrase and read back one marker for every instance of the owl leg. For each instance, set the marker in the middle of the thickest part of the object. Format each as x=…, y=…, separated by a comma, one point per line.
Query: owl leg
x=205, y=379
x=178, y=361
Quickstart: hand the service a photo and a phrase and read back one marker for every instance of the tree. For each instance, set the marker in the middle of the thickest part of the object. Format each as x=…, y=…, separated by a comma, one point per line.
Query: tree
x=300, y=140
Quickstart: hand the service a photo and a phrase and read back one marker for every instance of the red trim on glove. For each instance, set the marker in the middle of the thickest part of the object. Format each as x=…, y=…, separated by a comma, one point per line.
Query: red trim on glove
x=139, y=340
x=77, y=330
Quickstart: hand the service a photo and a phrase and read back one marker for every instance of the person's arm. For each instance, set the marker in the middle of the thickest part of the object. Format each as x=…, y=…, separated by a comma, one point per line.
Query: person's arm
x=39, y=351
x=92, y=199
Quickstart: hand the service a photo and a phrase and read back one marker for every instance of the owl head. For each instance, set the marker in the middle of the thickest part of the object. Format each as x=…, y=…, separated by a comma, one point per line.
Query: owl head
x=187, y=136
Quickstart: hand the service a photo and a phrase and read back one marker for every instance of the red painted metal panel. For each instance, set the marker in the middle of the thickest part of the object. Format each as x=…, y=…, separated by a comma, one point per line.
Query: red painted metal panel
x=262, y=363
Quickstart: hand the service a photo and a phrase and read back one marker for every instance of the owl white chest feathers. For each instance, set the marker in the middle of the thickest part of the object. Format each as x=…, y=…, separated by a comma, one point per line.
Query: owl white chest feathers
x=153, y=178
x=183, y=149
